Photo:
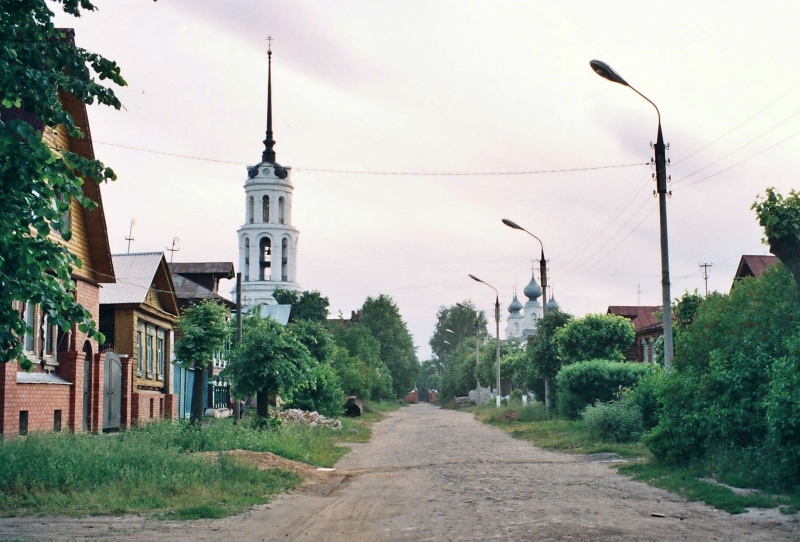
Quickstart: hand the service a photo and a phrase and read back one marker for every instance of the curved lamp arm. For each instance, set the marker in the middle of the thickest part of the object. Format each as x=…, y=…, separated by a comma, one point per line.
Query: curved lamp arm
x=606, y=72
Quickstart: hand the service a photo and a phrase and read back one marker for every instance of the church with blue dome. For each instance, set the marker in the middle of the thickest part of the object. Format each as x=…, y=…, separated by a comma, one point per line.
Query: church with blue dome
x=523, y=320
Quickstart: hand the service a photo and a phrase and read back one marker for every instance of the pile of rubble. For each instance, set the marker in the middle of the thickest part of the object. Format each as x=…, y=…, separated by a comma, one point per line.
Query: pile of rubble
x=313, y=419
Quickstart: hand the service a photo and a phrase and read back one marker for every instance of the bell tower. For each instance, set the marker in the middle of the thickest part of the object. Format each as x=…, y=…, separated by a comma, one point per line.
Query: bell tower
x=267, y=239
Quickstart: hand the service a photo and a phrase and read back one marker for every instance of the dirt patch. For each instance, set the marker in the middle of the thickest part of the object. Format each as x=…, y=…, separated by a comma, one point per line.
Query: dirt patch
x=510, y=416
x=266, y=461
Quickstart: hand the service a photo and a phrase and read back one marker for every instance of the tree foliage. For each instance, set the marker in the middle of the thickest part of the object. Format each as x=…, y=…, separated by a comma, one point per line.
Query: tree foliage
x=595, y=336
x=271, y=360
x=542, y=348
x=357, y=360
x=460, y=322
x=780, y=218
x=306, y=305
x=39, y=66
x=381, y=317
x=202, y=331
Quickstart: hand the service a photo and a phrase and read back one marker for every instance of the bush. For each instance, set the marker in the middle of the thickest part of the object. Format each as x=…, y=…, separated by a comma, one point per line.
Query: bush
x=616, y=421
x=582, y=384
x=533, y=412
x=643, y=395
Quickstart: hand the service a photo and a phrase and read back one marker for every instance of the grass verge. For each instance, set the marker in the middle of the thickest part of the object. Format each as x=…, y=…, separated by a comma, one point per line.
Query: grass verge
x=359, y=429
x=148, y=470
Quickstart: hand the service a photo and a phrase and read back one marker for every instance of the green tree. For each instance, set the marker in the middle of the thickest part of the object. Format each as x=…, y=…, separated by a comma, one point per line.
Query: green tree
x=595, y=336
x=358, y=362
x=486, y=371
x=39, y=65
x=454, y=325
x=780, y=218
x=306, y=305
x=542, y=350
x=381, y=317
x=324, y=393
x=271, y=360
x=202, y=331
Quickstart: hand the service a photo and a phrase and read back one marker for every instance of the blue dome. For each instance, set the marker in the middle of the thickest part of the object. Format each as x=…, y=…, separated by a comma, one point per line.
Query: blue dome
x=515, y=305
x=553, y=304
x=532, y=291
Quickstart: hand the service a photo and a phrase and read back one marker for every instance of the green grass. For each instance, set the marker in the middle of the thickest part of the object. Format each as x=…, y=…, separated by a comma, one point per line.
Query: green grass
x=572, y=436
x=687, y=483
x=154, y=469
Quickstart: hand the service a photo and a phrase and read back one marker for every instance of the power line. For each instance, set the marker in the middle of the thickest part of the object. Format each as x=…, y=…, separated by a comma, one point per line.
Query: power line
x=748, y=119
x=406, y=173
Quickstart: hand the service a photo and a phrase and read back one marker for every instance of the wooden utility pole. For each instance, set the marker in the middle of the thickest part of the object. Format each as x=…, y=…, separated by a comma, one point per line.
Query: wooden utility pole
x=705, y=267
x=238, y=335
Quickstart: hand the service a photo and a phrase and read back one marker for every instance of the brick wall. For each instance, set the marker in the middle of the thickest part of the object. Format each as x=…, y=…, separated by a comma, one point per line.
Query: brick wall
x=39, y=401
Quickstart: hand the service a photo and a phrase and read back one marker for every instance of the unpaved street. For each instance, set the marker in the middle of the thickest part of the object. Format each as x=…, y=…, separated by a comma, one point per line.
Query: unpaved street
x=432, y=474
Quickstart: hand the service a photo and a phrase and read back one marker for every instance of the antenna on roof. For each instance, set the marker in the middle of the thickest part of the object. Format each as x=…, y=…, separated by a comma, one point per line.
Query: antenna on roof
x=129, y=238
x=173, y=250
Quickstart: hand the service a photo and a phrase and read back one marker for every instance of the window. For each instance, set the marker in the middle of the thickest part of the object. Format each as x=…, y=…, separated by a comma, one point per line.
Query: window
x=281, y=211
x=250, y=205
x=264, y=257
x=160, y=343
x=150, y=339
x=30, y=321
x=57, y=421
x=140, y=350
x=284, y=259
x=66, y=218
x=265, y=209
x=40, y=340
x=50, y=334
x=246, y=259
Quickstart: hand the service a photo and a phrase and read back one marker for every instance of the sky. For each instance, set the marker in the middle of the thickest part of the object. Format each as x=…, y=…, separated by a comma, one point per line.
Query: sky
x=500, y=91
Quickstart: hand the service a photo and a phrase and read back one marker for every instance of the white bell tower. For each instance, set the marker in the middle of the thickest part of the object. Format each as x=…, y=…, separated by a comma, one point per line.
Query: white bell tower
x=267, y=239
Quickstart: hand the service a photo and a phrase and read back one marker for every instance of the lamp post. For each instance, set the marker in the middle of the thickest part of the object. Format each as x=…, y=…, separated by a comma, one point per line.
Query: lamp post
x=604, y=70
x=497, y=330
x=542, y=261
x=543, y=271
x=477, y=345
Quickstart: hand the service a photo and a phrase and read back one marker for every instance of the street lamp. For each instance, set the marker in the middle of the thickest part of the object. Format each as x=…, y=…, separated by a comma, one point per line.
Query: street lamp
x=542, y=261
x=477, y=346
x=497, y=330
x=604, y=70
x=543, y=271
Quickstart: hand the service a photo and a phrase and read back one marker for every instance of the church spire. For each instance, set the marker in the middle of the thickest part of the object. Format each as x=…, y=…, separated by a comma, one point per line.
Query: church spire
x=269, y=144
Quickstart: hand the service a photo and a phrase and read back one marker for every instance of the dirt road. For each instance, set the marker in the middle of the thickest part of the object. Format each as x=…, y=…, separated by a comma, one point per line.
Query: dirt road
x=431, y=474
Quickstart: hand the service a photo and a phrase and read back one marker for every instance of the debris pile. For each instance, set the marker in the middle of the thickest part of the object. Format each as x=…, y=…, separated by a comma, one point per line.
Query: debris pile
x=313, y=419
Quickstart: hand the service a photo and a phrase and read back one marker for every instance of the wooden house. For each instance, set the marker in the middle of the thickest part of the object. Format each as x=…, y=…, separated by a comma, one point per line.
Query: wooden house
x=67, y=387
x=137, y=316
x=647, y=328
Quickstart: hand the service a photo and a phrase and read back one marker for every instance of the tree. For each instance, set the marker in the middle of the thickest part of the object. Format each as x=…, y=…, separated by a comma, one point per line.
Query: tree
x=358, y=363
x=595, y=336
x=542, y=351
x=381, y=317
x=203, y=330
x=307, y=305
x=780, y=218
x=39, y=66
x=460, y=321
x=269, y=361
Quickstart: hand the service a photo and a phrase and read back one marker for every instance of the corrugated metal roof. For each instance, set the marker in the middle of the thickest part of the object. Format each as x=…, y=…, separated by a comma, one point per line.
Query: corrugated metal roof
x=641, y=316
x=135, y=274
x=754, y=265
x=279, y=313
x=220, y=269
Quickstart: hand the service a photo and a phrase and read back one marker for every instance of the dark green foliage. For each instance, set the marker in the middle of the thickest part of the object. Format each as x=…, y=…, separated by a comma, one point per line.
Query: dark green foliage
x=780, y=218
x=615, y=421
x=358, y=363
x=37, y=64
x=270, y=360
x=716, y=396
x=306, y=305
x=783, y=411
x=595, y=336
x=685, y=309
x=459, y=373
x=430, y=375
x=203, y=330
x=643, y=396
x=381, y=317
x=582, y=384
x=459, y=320
x=324, y=392
x=510, y=353
x=542, y=348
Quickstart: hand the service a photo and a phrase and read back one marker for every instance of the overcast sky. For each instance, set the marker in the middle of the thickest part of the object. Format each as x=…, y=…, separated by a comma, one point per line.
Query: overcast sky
x=454, y=87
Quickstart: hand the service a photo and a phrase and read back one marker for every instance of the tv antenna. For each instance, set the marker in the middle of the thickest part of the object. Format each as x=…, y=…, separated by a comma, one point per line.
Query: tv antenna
x=129, y=238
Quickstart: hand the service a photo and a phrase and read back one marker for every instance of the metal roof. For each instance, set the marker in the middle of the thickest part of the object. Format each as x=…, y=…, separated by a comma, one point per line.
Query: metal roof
x=642, y=316
x=219, y=269
x=279, y=313
x=135, y=275
x=754, y=266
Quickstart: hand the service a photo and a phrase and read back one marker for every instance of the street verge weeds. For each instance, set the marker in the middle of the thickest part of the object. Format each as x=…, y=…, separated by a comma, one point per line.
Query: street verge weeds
x=554, y=433
x=153, y=470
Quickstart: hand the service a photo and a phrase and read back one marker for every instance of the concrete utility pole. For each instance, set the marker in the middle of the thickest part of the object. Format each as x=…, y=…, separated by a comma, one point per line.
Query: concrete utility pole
x=705, y=267
x=604, y=70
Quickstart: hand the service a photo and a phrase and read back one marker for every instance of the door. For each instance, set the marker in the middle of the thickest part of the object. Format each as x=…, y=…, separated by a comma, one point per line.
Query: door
x=112, y=389
x=87, y=385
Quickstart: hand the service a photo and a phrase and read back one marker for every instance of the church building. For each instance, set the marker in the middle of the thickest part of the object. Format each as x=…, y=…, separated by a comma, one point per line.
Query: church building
x=267, y=239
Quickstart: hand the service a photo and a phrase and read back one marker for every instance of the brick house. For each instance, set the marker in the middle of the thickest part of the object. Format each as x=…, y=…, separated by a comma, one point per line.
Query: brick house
x=65, y=389
x=137, y=316
x=647, y=327
x=195, y=282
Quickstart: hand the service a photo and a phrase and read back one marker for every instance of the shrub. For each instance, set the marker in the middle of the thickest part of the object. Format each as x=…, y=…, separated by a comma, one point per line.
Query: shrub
x=533, y=412
x=582, y=384
x=643, y=395
x=615, y=421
